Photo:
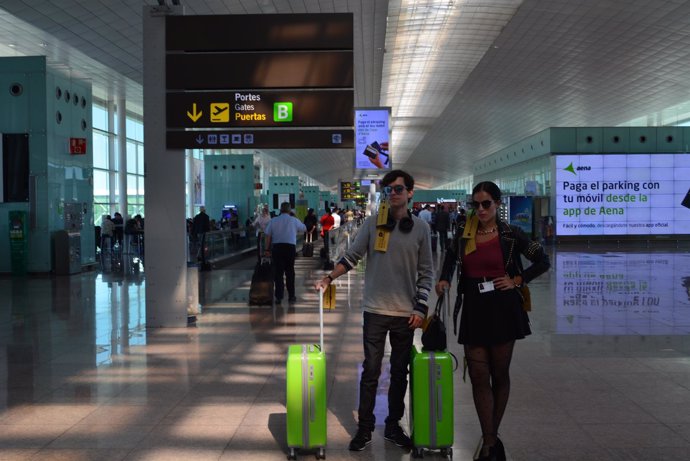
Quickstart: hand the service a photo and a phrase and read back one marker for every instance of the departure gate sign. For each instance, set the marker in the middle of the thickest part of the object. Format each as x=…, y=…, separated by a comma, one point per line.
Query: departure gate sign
x=265, y=108
x=276, y=71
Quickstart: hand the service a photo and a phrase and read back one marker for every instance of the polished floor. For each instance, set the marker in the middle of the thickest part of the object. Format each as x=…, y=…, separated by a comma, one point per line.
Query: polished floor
x=605, y=376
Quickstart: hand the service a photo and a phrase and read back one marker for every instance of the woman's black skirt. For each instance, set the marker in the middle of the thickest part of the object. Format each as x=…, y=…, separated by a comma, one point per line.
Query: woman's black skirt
x=491, y=318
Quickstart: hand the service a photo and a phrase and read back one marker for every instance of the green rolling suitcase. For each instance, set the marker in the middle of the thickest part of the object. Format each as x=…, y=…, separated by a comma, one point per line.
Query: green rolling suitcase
x=431, y=394
x=306, y=395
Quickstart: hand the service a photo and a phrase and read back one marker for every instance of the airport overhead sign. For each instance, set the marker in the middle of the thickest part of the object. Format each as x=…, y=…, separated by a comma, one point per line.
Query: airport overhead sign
x=262, y=139
x=251, y=74
x=263, y=108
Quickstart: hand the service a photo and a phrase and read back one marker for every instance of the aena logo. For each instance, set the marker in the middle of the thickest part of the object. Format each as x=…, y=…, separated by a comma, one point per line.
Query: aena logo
x=282, y=112
x=572, y=169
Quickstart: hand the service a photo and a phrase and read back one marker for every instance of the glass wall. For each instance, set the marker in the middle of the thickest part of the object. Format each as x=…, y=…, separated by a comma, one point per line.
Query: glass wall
x=103, y=169
x=106, y=167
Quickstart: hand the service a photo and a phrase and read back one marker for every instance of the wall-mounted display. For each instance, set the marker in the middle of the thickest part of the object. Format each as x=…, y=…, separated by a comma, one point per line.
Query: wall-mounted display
x=372, y=138
x=622, y=194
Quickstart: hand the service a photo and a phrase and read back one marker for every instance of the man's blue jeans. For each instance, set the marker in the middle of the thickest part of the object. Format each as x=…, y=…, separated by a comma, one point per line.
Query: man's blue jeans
x=374, y=338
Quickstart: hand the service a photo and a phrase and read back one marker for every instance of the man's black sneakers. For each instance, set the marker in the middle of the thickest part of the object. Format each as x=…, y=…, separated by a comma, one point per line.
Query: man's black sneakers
x=361, y=439
x=394, y=433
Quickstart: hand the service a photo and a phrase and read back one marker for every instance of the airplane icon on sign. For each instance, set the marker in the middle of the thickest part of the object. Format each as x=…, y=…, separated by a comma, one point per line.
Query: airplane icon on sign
x=220, y=112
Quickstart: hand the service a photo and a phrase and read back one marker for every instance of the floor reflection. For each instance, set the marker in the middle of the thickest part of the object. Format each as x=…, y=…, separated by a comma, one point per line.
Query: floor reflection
x=606, y=367
x=622, y=293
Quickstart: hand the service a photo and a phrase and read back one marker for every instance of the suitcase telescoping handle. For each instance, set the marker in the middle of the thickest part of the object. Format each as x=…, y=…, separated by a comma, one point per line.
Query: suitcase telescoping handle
x=446, y=302
x=322, y=291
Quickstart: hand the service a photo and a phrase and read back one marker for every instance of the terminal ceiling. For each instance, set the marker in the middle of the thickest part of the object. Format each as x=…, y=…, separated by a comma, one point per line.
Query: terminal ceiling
x=465, y=78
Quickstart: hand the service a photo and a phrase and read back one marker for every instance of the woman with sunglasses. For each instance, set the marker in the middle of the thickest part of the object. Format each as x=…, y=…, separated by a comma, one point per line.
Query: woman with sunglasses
x=486, y=252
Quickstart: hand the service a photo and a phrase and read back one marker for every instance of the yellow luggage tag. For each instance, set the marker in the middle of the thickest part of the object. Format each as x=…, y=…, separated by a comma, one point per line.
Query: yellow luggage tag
x=329, y=297
x=427, y=321
x=382, y=237
x=382, y=217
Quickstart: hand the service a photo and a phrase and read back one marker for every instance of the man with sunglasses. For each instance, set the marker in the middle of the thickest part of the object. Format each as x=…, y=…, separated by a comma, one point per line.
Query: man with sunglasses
x=397, y=281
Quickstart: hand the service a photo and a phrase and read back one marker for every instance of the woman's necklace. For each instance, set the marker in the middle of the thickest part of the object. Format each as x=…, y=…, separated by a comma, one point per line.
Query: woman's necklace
x=486, y=231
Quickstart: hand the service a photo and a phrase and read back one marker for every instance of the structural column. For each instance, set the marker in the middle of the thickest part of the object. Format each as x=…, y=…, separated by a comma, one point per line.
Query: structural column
x=166, y=262
x=122, y=156
x=113, y=175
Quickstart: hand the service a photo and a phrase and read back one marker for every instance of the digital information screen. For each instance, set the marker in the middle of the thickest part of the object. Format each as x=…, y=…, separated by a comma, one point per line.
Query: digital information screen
x=372, y=138
x=622, y=194
x=622, y=293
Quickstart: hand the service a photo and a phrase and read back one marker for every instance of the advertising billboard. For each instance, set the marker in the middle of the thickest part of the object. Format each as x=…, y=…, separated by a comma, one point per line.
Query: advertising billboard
x=372, y=138
x=622, y=194
x=521, y=213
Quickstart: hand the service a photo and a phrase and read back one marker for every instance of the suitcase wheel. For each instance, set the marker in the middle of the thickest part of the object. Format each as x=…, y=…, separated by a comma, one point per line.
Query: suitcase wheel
x=292, y=454
x=321, y=453
x=447, y=453
x=418, y=452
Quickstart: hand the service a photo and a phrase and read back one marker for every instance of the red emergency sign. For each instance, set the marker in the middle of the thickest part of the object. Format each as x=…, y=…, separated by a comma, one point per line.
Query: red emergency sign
x=77, y=146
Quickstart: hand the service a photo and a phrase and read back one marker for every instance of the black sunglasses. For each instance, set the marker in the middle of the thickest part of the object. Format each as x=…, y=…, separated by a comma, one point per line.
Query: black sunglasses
x=486, y=204
x=397, y=189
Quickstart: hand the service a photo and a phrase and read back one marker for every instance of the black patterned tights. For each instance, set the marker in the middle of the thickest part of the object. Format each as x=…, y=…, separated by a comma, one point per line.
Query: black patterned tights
x=489, y=372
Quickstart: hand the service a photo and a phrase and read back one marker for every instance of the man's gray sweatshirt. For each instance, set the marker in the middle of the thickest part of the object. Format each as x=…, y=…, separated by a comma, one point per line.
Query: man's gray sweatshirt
x=396, y=282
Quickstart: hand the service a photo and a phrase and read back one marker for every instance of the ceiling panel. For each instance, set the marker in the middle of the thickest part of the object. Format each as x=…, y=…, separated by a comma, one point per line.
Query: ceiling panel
x=497, y=71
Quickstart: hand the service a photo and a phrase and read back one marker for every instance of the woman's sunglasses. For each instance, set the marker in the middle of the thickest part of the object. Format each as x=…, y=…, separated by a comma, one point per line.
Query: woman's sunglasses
x=397, y=189
x=486, y=204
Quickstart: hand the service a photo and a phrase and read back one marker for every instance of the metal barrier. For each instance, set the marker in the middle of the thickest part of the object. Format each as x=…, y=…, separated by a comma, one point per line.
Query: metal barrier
x=340, y=240
x=215, y=246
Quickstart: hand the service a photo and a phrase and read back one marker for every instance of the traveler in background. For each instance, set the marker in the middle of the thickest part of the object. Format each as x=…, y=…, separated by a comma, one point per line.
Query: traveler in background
x=434, y=214
x=201, y=224
x=134, y=236
x=488, y=249
x=442, y=225
x=462, y=217
x=281, y=240
x=453, y=219
x=119, y=231
x=397, y=283
x=336, y=218
x=310, y=222
x=425, y=215
x=107, y=232
x=260, y=224
x=349, y=219
x=326, y=226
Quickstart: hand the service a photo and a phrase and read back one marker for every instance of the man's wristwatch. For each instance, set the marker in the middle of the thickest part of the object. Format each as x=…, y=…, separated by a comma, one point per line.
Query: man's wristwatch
x=329, y=277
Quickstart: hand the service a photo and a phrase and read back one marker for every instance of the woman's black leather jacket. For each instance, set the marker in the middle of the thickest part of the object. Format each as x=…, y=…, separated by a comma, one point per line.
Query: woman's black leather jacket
x=514, y=242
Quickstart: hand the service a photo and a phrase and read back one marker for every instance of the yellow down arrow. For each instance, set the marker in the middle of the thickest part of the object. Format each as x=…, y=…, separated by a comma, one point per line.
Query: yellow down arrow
x=194, y=115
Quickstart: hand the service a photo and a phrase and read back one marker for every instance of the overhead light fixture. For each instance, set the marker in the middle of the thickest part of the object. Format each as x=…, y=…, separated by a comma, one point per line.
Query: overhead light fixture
x=431, y=48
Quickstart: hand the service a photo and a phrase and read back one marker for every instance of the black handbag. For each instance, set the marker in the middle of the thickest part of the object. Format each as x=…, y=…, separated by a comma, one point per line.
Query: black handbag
x=434, y=335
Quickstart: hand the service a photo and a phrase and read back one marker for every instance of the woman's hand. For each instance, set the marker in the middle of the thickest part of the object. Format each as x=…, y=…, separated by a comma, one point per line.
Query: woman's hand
x=504, y=283
x=441, y=286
